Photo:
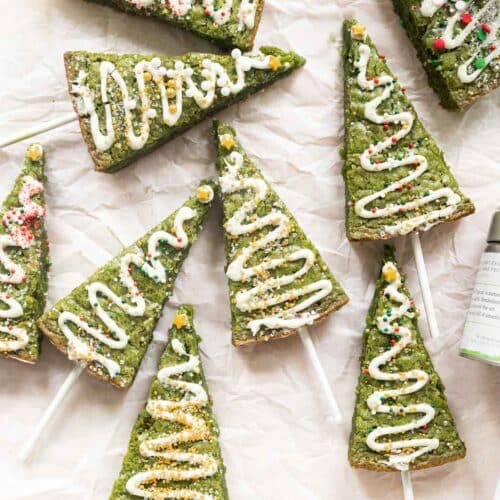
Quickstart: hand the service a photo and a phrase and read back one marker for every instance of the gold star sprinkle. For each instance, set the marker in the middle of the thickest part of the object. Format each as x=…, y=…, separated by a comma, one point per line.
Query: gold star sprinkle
x=227, y=141
x=274, y=63
x=358, y=31
x=180, y=320
x=35, y=152
x=205, y=194
x=390, y=274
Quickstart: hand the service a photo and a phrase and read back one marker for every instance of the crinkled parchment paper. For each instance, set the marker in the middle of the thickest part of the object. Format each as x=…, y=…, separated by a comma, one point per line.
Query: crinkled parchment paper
x=277, y=439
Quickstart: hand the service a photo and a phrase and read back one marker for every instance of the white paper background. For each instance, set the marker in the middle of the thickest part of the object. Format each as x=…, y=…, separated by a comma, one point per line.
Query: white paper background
x=277, y=439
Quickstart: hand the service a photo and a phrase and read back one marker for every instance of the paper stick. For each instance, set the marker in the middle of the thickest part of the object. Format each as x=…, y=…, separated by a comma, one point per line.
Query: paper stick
x=40, y=129
x=407, y=486
x=98, y=256
x=424, y=285
x=430, y=314
x=63, y=391
x=320, y=373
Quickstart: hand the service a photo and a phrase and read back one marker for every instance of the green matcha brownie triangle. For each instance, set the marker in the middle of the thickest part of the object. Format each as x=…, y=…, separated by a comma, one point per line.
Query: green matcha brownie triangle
x=278, y=281
x=227, y=23
x=174, y=450
x=24, y=261
x=130, y=104
x=396, y=178
x=401, y=419
x=459, y=45
x=108, y=321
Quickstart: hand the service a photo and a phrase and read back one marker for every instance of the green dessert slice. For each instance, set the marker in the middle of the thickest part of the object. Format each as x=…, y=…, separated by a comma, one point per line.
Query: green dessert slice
x=108, y=321
x=459, y=45
x=278, y=281
x=397, y=180
x=130, y=104
x=227, y=23
x=401, y=418
x=24, y=261
x=173, y=450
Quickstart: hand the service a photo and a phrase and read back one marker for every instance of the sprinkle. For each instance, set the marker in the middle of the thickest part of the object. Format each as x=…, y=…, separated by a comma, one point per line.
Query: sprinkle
x=180, y=320
x=274, y=63
x=227, y=141
x=480, y=63
x=35, y=152
x=358, y=31
x=481, y=35
x=204, y=194
x=486, y=28
x=466, y=18
x=439, y=44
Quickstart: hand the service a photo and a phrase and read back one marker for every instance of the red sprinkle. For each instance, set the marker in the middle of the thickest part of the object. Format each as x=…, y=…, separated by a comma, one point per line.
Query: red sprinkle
x=439, y=44
x=486, y=28
x=466, y=18
x=394, y=140
x=386, y=126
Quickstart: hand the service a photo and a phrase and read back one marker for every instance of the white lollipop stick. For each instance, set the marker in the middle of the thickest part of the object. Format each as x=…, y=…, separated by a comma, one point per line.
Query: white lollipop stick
x=98, y=256
x=407, y=486
x=320, y=373
x=63, y=391
x=433, y=328
x=424, y=285
x=40, y=129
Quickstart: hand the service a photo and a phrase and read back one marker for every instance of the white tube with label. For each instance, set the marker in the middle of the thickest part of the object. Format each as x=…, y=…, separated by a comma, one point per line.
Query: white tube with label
x=481, y=339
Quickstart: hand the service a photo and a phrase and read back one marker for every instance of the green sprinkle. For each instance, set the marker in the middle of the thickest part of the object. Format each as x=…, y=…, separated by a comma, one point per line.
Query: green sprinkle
x=480, y=63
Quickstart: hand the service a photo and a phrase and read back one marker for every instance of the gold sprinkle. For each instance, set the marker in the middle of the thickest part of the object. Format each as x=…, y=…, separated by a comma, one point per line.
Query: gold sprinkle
x=180, y=320
x=227, y=141
x=358, y=31
x=35, y=152
x=274, y=63
x=204, y=194
x=390, y=274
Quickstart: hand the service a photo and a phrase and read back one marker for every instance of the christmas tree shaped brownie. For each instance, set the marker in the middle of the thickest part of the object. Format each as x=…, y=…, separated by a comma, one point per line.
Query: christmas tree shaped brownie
x=227, y=23
x=278, y=281
x=108, y=321
x=396, y=178
x=401, y=419
x=459, y=44
x=174, y=450
x=131, y=104
x=24, y=261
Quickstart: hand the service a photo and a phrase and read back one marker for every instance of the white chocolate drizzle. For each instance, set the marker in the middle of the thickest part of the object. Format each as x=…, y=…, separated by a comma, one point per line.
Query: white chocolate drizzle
x=429, y=7
x=419, y=162
x=195, y=465
x=265, y=294
x=388, y=325
x=180, y=85
x=98, y=293
x=220, y=15
x=19, y=235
